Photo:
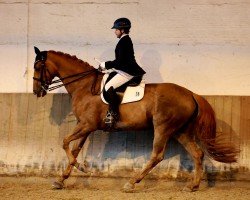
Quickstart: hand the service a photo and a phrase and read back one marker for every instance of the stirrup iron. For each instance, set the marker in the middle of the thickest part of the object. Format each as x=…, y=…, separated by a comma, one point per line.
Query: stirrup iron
x=110, y=118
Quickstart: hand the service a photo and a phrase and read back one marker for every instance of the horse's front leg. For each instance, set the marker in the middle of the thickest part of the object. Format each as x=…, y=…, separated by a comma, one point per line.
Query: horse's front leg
x=75, y=151
x=79, y=132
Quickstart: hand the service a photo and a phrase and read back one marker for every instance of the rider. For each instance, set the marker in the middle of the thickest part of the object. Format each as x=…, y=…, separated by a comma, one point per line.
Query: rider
x=124, y=65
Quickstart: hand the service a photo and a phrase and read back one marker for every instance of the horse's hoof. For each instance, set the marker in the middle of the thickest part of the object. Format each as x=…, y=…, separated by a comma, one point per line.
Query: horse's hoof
x=57, y=185
x=128, y=187
x=189, y=188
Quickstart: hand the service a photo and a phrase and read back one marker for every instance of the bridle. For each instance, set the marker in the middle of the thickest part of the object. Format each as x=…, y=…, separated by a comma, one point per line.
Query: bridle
x=43, y=78
x=45, y=83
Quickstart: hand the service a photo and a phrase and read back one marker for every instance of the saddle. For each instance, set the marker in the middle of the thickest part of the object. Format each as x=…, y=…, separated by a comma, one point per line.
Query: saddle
x=131, y=91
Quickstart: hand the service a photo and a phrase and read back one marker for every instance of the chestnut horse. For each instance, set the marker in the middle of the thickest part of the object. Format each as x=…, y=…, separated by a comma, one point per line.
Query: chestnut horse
x=170, y=110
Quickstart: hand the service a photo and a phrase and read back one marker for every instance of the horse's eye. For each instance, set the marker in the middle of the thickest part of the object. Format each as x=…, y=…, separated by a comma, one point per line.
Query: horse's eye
x=36, y=68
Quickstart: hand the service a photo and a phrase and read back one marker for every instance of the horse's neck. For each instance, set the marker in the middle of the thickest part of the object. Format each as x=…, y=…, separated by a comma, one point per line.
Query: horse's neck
x=69, y=68
x=83, y=84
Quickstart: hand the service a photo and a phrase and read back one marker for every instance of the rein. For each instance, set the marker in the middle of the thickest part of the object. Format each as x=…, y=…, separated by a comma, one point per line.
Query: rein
x=46, y=85
x=81, y=75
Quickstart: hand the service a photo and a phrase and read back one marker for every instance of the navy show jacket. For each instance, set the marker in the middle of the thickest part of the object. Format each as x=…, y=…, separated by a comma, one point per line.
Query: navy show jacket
x=124, y=58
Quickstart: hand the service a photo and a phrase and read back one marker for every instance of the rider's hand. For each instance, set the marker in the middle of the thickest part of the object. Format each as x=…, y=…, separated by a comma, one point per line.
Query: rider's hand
x=102, y=66
x=100, y=69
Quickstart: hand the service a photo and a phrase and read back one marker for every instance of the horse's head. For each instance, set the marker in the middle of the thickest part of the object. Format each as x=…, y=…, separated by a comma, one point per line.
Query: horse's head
x=69, y=69
x=43, y=73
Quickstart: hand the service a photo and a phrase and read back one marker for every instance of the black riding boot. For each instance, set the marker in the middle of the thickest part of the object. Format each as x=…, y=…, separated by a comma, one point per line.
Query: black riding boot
x=113, y=112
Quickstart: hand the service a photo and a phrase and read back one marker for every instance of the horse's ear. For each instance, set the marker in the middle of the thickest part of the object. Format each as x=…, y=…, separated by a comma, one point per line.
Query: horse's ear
x=37, y=51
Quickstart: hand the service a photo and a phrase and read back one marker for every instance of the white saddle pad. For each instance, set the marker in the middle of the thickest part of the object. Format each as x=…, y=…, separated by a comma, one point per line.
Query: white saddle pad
x=131, y=94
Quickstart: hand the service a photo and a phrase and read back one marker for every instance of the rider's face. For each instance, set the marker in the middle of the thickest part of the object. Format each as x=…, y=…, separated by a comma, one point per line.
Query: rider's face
x=119, y=33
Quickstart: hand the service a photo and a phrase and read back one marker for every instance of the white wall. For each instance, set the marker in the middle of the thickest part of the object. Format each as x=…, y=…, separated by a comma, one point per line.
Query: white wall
x=202, y=45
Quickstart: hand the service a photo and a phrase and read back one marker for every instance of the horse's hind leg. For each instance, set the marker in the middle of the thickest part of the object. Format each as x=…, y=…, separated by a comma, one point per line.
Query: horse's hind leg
x=159, y=146
x=197, y=154
x=75, y=151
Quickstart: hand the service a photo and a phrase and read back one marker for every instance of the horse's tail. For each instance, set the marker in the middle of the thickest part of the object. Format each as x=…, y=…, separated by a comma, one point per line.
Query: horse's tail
x=215, y=146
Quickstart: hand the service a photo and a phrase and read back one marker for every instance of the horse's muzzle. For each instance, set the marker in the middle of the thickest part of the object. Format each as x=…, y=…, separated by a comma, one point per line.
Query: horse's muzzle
x=39, y=93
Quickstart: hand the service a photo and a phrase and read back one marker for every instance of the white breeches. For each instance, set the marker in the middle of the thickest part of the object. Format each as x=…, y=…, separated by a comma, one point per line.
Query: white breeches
x=118, y=80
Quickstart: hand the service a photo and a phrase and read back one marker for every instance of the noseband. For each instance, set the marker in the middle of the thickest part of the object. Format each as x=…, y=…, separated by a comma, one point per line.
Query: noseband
x=45, y=83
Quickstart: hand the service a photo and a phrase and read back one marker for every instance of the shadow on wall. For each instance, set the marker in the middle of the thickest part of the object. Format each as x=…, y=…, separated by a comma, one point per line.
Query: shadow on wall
x=135, y=146
x=60, y=109
x=225, y=172
x=151, y=62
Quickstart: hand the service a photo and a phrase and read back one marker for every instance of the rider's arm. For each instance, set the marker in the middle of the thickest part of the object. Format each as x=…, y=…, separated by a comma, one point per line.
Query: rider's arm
x=123, y=52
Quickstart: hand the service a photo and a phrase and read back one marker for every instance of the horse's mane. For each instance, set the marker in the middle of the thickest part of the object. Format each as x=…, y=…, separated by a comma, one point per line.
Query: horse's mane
x=71, y=57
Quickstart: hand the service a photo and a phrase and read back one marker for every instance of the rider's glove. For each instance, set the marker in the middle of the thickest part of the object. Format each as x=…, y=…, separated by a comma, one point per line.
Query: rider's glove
x=102, y=66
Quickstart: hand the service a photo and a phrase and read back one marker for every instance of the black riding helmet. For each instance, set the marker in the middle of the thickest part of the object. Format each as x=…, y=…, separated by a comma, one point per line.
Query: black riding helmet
x=122, y=23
